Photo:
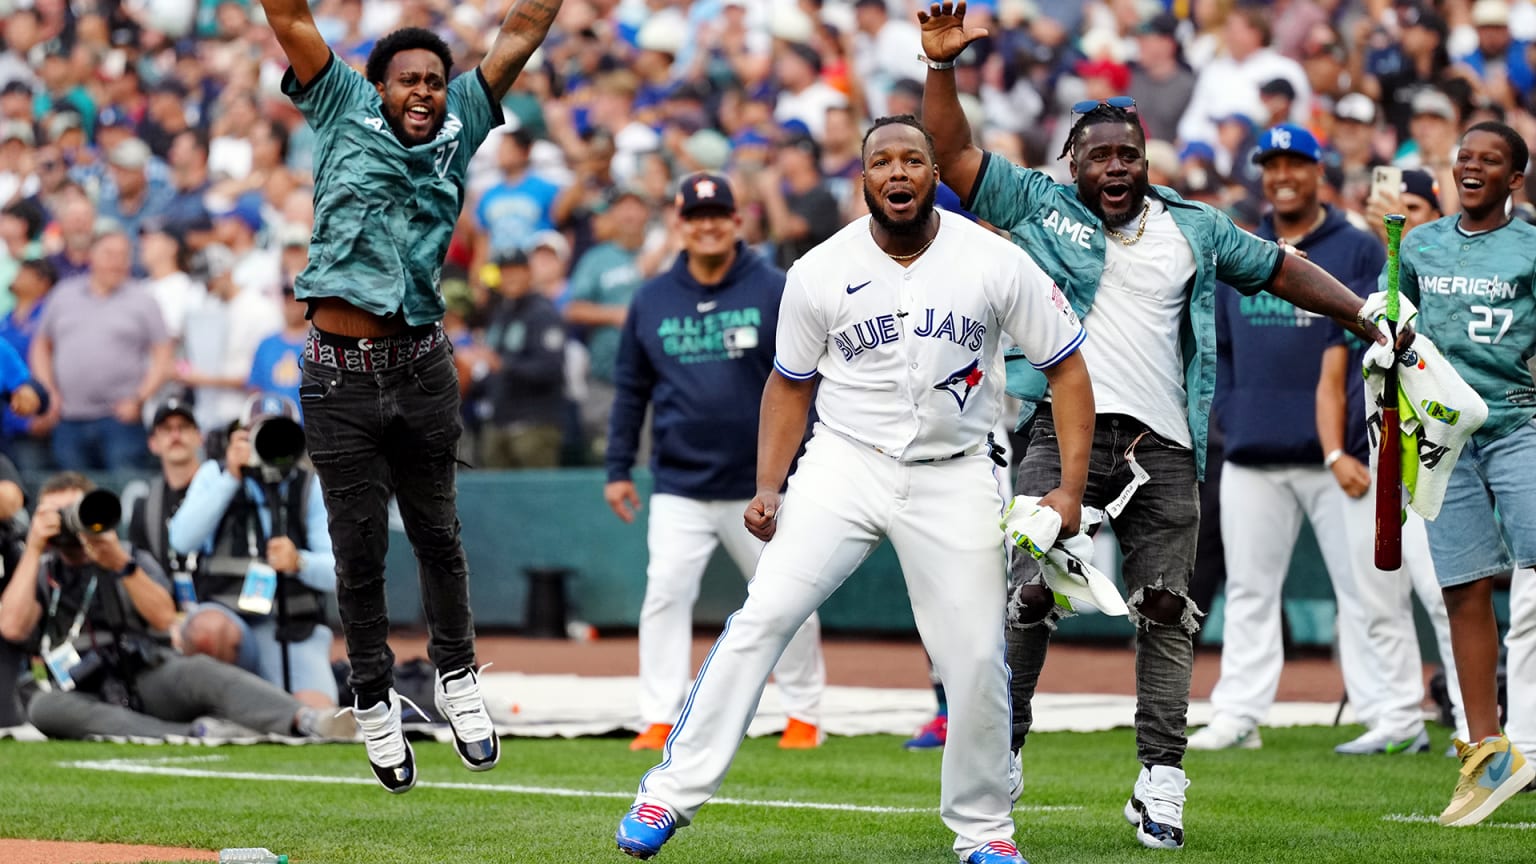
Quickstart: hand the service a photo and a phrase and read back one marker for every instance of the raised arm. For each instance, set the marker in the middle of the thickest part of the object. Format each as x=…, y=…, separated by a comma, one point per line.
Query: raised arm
x=294, y=26
x=526, y=25
x=1304, y=284
x=944, y=37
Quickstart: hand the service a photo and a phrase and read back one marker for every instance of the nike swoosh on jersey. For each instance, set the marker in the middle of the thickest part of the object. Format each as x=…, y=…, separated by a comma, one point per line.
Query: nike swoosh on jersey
x=1426, y=248
x=708, y=306
x=853, y=289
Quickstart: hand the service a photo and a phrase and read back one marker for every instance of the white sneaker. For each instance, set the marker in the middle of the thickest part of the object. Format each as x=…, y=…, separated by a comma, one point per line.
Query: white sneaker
x=1156, y=807
x=474, y=736
x=1226, y=733
x=1016, y=775
x=1381, y=741
x=389, y=754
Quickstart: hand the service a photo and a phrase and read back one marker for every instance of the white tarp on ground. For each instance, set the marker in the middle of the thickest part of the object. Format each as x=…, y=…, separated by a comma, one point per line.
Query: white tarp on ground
x=571, y=706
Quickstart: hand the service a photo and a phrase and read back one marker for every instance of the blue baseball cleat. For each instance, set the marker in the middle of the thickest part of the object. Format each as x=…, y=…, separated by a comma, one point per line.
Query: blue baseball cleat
x=997, y=852
x=931, y=736
x=644, y=829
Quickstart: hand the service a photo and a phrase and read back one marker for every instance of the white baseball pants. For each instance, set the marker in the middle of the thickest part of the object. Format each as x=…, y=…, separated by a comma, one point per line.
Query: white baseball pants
x=1386, y=598
x=682, y=535
x=942, y=519
x=1261, y=511
x=1521, y=663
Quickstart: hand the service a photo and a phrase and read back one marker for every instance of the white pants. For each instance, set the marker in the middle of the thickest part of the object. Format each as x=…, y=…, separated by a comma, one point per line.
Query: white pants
x=1261, y=510
x=1387, y=600
x=942, y=519
x=1521, y=662
x=682, y=535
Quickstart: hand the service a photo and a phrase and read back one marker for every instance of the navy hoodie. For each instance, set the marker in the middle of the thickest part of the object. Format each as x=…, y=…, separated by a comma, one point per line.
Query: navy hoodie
x=1269, y=353
x=699, y=354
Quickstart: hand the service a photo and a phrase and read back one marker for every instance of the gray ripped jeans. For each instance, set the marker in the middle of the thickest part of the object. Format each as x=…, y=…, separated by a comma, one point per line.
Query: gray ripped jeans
x=1157, y=531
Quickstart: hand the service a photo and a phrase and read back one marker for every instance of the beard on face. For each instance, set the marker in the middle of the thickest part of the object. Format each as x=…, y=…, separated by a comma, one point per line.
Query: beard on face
x=902, y=226
x=1139, y=188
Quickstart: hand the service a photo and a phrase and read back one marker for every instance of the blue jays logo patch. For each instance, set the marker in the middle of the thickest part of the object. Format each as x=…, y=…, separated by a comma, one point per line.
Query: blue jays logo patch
x=961, y=382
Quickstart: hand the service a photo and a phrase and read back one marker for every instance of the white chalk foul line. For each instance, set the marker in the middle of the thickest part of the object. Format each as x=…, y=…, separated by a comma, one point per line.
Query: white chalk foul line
x=1431, y=820
x=169, y=767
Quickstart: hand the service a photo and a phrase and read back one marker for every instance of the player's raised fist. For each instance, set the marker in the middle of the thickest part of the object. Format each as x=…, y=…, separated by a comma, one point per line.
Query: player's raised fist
x=944, y=31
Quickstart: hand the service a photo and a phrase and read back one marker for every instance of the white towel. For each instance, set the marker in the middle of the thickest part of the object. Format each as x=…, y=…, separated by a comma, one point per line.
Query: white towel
x=1064, y=563
x=1437, y=409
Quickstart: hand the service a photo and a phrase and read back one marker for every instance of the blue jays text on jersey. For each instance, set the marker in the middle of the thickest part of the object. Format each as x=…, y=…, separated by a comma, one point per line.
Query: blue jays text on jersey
x=882, y=329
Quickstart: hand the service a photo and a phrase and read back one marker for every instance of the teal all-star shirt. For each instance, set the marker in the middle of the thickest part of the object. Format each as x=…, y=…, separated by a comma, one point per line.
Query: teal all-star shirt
x=1047, y=220
x=1476, y=295
x=384, y=212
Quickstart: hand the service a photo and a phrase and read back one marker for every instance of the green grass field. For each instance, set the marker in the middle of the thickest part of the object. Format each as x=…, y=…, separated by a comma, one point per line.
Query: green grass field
x=558, y=801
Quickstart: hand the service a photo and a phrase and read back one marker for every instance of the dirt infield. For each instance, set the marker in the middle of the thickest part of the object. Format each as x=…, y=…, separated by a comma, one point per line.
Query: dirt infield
x=60, y=852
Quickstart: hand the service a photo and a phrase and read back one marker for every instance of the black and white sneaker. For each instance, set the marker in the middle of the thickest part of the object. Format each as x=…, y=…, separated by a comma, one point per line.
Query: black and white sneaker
x=1156, y=807
x=390, y=755
x=459, y=702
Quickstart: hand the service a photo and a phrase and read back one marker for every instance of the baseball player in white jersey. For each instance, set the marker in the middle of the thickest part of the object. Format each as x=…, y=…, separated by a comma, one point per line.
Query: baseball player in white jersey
x=899, y=316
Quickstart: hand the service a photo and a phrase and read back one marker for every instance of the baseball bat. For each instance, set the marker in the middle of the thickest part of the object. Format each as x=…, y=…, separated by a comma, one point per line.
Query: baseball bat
x=1389, y=462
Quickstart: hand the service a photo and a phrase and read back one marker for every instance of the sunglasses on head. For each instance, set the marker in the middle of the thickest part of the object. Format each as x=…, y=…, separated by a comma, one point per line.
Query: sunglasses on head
x=1087, y=105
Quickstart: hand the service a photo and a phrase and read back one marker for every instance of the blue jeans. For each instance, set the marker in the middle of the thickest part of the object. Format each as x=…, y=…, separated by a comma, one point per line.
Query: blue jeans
x=371, y=435
x=100, y=445
x=1158, y=532
x=1465, y=540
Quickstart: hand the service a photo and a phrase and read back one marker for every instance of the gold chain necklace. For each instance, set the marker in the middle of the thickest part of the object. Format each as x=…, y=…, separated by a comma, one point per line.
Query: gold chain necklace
x=1146, y=207
x=904, y=257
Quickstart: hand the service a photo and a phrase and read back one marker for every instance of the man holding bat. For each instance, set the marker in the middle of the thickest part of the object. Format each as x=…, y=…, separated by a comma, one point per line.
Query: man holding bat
x=1279, y=468
x=1473, y=279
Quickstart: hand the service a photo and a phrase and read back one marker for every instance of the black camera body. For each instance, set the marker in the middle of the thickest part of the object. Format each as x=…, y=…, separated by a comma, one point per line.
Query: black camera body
x=109, y=671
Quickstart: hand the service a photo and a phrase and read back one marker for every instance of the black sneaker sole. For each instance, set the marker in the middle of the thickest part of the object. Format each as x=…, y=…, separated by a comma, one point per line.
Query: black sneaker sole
x=386, y=776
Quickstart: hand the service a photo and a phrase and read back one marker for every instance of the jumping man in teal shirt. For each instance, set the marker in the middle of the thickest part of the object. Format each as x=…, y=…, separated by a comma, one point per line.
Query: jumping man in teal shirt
x=1139, y=265
x=379, y=390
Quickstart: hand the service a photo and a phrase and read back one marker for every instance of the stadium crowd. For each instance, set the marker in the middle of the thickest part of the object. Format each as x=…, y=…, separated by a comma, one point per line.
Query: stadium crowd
x=146, y=145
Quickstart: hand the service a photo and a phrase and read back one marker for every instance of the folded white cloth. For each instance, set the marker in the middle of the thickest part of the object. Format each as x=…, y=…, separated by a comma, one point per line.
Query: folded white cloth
x=1064, y=562
x=1438, y=411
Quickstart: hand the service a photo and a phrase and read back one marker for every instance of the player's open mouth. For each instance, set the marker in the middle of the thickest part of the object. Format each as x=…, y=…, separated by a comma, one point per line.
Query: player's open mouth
x=1471, y=183
x=1115, y=195
x=419, y=116
x=901, y=201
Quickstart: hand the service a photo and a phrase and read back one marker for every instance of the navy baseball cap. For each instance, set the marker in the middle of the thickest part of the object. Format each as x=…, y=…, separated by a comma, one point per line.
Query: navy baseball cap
x=704, y=191
x=173, y=407
x=1288, y=138
x=1422, y=184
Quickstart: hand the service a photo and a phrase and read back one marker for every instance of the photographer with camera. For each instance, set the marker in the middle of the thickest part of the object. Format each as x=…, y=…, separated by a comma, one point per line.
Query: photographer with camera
x=257, y=522
x=96, y=611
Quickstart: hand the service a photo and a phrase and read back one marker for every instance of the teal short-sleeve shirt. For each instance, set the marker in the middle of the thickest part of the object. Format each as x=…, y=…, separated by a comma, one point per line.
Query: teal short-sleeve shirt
x=385, y=212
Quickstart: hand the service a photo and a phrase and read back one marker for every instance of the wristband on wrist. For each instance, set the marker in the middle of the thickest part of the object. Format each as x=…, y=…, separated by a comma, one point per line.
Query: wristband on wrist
x=937, y=65
x=1332, y=457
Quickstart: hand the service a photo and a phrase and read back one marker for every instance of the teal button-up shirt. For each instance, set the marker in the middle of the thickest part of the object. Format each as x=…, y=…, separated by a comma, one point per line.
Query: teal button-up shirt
x=384, y=212
x=1048, y=220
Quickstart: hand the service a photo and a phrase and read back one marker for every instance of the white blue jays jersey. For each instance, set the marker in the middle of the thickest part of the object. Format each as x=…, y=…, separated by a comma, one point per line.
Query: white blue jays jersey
x=909, y=356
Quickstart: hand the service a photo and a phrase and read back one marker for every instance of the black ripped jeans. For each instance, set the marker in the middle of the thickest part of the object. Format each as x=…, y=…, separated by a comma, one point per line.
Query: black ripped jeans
x=371, y=435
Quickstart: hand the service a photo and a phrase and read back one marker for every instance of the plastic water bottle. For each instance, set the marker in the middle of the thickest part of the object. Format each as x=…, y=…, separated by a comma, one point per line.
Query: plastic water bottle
x=251, y=856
